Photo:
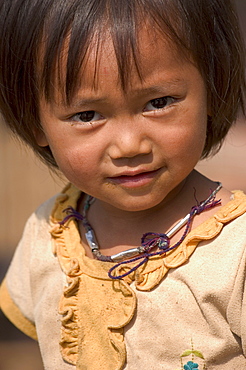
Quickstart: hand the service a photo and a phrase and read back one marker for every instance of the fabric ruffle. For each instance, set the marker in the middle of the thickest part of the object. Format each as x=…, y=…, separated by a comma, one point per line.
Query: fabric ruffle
x=96, y=309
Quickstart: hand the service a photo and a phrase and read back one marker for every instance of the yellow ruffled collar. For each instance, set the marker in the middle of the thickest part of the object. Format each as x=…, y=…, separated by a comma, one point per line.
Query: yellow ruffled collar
x=94, y=308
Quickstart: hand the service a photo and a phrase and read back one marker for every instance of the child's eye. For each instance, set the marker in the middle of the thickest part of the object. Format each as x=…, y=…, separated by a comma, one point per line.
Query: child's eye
x=86, y=116
x=159, y=103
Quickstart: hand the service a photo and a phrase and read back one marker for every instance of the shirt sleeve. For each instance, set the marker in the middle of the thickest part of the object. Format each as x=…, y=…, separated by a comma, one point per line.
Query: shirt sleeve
x=16, y=292
x=14, y=314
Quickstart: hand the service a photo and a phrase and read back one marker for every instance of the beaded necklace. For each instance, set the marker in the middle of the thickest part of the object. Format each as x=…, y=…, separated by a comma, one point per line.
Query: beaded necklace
x=149, y=241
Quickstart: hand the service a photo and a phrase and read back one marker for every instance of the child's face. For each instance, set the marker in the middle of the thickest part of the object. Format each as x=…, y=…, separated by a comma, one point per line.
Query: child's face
x=130, y=150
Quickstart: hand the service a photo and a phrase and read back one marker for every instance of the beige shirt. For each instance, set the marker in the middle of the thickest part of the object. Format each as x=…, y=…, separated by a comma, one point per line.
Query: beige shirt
x=186, y=306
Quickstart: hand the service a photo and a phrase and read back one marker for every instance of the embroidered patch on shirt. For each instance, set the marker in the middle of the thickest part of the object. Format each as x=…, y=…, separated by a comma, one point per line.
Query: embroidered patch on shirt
x=192, y=364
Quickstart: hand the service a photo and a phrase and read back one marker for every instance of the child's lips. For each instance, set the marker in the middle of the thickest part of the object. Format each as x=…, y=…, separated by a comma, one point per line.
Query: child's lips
x=134, y=179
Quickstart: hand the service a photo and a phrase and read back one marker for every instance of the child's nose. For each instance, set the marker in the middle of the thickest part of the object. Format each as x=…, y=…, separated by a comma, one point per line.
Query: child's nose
x=129, y=142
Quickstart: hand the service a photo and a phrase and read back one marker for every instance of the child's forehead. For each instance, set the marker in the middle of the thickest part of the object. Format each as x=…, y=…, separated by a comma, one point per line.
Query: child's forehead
x=149, y=42
x=160, y=71
x=101, y=59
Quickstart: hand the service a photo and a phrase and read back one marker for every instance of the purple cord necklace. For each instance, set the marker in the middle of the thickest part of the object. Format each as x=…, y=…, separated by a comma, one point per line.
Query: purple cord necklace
x=149, y=240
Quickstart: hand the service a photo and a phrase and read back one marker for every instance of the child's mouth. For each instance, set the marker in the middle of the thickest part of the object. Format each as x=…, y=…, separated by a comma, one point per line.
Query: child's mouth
x=131, y=180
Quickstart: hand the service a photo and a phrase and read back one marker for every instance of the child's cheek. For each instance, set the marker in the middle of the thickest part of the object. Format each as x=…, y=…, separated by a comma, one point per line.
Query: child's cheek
x=77, y=165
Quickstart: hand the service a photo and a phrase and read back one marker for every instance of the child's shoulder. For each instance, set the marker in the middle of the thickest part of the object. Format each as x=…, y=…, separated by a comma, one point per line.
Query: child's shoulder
x=45, y=210
x=232, y=210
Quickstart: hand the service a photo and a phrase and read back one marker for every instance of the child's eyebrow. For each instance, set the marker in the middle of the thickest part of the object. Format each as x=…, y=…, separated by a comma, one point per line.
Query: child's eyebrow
x=161, y=87
x=78, y=102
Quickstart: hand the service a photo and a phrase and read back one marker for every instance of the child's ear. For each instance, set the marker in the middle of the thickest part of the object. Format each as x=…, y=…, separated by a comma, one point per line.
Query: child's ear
x=40, y=137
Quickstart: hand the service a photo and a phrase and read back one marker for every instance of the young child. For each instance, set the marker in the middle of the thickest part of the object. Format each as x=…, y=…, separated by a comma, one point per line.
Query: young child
x=140, y=261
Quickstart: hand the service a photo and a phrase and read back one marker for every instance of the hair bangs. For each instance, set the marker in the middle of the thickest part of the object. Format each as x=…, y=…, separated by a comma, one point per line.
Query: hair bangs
x=83, y=26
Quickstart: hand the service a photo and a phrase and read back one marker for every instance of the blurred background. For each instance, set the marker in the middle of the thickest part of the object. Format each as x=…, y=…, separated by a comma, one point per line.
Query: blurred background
x=26, y=182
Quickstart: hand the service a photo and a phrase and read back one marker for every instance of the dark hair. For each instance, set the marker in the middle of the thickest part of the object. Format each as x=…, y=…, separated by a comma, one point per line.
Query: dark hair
x=206, y=30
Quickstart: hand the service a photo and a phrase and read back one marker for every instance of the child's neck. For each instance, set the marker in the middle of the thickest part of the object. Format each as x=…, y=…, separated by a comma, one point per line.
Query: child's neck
x=120, y=230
